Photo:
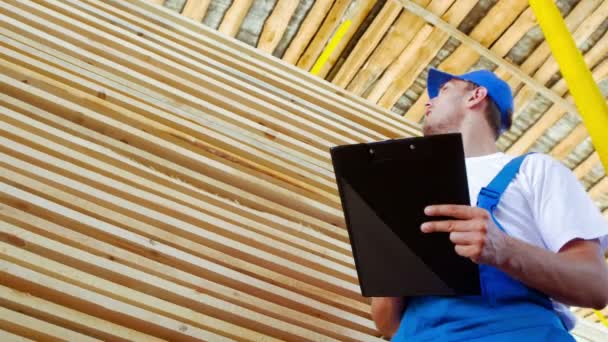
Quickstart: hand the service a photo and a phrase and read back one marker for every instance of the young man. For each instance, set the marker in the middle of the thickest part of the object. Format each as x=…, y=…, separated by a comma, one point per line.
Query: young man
x=536, y=235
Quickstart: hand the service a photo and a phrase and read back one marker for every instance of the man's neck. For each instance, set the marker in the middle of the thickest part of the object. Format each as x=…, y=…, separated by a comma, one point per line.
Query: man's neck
x=477, y=141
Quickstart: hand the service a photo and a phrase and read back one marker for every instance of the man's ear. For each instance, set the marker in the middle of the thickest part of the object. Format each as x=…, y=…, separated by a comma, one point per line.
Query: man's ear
x=476, y=96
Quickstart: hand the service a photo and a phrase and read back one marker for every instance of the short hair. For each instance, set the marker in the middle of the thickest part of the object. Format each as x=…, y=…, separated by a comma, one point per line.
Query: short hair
x=492, y=113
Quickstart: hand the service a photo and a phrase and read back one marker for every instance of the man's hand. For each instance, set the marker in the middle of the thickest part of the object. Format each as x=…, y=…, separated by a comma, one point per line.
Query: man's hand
x=474, y=234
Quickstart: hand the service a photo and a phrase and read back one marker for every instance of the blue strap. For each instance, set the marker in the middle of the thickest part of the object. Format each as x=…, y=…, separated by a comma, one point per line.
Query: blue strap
x=490, y=195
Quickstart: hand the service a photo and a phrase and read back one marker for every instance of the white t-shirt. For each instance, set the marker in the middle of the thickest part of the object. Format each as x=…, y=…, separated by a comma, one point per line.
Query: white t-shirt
x=545, y=205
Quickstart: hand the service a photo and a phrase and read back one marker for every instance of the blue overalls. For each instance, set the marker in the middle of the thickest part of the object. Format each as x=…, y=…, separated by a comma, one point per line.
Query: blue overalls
x=507, y=310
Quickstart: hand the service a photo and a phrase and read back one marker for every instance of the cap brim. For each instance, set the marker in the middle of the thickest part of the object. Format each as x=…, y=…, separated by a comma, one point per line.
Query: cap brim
x=435, y=80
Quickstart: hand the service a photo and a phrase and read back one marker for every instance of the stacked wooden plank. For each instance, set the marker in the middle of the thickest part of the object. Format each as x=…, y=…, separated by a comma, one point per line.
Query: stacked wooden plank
x=160, y=182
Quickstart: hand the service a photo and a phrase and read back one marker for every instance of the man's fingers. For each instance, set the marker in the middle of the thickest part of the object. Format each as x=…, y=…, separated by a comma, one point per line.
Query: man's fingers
x=464, y=212
x=448, y=226
x=465, y=238
x=468, y=251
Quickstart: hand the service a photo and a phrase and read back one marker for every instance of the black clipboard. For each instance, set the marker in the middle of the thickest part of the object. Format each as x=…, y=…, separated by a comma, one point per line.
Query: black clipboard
x=384, y=187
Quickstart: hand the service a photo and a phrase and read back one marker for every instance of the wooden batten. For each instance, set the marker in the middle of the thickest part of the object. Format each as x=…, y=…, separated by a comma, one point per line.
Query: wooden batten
x=196, y=9
x=234, y=17
x=36, y=329
x=307, y=31
x=73, y=320
x=276, y=24
x=368, y=42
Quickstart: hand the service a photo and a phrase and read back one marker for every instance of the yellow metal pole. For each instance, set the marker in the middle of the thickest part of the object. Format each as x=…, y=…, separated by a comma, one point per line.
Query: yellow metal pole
x=587, y=96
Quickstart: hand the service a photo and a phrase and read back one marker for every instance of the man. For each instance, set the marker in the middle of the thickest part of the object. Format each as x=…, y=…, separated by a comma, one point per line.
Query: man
x=539, y=242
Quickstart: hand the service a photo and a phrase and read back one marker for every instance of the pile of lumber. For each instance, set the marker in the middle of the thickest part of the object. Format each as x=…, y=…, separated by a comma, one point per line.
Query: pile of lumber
x=161, y=181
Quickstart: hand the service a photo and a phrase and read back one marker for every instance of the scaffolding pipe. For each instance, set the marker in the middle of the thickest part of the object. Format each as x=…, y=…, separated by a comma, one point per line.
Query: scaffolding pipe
x=587, y=96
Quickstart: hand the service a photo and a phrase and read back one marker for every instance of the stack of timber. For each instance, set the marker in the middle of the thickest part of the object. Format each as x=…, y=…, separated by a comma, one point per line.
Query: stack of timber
x=161, y=180
x=168, y=184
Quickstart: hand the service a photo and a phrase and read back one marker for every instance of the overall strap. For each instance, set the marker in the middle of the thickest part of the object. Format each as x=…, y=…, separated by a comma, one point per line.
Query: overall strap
x=490, y=195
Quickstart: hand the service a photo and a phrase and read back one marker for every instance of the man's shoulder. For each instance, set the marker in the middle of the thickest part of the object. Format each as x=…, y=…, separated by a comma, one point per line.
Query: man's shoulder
x=542, y=161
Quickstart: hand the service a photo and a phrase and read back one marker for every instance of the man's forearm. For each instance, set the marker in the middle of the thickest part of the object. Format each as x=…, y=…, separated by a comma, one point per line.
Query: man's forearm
x=568, y=276
x=386, y=313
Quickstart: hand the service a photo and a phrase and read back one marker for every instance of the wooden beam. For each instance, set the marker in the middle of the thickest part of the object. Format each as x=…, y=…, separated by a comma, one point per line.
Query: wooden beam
x=566, y=145
x=514, y=33
x=587, y=165
x=68, y=318
x=396, y=39
x=234, y=17
x=417, y=52
x=599, y=189
x=307, y=30
x=196, y=9
x=276, y=24
x=324, y=33
x=356, y=14
x=7, y=336
x=367, y=43
x=36, y=329
x=500, y=17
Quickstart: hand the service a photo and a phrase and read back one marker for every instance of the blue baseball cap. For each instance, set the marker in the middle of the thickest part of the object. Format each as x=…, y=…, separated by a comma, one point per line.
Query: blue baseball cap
x=498, y=90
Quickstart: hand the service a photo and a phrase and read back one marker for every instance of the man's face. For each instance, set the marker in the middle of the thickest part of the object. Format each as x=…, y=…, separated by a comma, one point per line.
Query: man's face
x=445, y=112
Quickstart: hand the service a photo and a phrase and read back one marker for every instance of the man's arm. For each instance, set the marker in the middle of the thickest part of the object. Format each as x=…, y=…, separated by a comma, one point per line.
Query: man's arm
x=386, y=313
x=576, y=275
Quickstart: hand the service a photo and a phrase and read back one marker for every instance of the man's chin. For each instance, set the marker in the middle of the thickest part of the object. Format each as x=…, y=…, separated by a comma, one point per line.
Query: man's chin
x=429, y=130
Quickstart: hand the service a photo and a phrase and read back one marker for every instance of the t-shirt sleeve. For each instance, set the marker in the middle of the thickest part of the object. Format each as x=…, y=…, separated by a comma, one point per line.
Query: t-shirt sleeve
x=561, y=207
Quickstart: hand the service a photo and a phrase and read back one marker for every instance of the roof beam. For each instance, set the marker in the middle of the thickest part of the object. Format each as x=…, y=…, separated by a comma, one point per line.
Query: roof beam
x=573, y=139
x=396, y=40
x=356, y=14
x=600, y=188
x=587, y=165
x=196, y=9
x=234, y=17
x=324, y=33
x=368, y=43
x=276, y=24
x=37, y=329
x=307, y=30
